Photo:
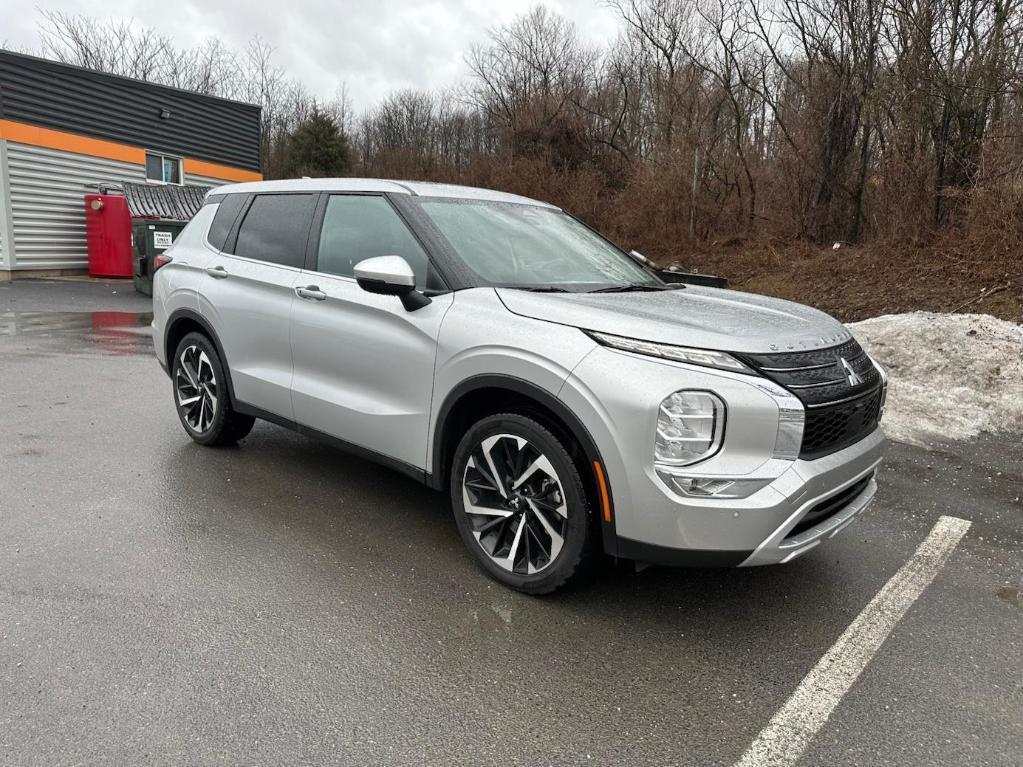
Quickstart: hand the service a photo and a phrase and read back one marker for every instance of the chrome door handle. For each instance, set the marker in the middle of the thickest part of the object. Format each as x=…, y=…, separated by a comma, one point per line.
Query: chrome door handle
x=311, y=292
x=216, y=271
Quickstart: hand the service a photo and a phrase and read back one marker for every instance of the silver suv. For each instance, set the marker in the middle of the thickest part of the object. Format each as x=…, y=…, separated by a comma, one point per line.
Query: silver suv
x=494, y=347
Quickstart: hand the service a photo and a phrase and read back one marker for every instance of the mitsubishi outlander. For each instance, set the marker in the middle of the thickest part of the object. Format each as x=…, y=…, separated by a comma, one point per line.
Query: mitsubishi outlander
x=496, y=348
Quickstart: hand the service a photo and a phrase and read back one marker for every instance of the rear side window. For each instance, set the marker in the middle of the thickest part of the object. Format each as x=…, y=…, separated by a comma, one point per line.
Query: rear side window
x=227, y=211
x=357, y=227
x=275, y=228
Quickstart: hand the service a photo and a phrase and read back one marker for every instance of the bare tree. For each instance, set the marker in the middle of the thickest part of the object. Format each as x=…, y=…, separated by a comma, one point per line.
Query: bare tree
x=704, y=120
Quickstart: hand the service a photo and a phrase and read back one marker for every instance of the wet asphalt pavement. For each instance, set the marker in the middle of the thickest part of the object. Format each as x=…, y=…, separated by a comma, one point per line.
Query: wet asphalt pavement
x=284, y=603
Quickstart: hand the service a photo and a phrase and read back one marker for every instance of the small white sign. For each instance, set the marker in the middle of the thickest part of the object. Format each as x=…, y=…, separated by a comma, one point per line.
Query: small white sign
x=162, y=240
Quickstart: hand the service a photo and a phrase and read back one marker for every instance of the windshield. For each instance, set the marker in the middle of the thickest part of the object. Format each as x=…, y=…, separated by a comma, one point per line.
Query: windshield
x=526, y=246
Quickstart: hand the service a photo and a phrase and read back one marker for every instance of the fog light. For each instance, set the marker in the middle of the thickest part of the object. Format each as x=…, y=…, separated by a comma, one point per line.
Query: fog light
x=711, y=487
x=690, y=426
x=704, y=486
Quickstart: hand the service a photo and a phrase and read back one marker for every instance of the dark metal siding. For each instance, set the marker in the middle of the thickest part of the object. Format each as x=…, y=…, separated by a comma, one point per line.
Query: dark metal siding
x=68, y=98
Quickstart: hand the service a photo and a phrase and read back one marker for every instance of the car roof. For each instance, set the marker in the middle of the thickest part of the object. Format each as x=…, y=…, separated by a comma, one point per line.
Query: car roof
x=415, y=188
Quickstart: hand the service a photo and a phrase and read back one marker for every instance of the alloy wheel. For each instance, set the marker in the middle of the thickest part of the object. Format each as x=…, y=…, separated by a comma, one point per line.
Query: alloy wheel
x=196, y=388
x=515, y=503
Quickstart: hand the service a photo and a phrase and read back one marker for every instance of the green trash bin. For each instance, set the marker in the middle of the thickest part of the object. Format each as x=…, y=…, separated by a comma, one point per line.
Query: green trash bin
x=149, y=239
x=158, y=214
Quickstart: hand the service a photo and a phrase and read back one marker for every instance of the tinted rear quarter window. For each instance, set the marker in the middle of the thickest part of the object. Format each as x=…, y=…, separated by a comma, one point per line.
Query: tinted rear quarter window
x=275, y=228
x=227, y=211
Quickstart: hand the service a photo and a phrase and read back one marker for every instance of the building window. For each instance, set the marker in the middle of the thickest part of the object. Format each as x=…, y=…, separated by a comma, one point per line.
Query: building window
x=166, y=170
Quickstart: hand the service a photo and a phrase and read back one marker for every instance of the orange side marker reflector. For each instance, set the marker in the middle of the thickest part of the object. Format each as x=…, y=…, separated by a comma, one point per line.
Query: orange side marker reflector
x=605, y=503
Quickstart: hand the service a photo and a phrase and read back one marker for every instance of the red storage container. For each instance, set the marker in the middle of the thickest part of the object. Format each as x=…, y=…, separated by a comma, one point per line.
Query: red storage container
x=108, y=235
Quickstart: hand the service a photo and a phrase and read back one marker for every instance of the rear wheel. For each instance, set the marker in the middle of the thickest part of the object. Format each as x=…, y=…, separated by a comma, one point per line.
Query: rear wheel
x=201, y=396
x=519, y=503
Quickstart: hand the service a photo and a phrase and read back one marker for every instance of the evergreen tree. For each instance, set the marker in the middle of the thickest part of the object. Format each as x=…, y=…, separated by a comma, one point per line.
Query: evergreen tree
x=317, y=148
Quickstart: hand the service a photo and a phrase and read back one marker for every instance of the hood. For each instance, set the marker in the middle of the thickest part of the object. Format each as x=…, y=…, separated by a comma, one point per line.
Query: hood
x=705, y=318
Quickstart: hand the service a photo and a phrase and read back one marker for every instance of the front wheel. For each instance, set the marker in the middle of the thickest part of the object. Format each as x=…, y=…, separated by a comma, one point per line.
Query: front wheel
x=201, y=396
x=519, y=503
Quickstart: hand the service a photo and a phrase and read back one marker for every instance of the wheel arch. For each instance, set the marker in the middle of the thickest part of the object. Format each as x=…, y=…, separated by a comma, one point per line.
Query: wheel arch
x=184, y=321
x=483, y=395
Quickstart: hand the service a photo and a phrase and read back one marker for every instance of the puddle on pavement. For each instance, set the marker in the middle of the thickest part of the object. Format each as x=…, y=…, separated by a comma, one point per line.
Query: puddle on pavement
x=111, y=332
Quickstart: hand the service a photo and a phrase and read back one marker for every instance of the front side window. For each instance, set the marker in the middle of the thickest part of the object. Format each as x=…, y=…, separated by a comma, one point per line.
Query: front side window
x=516, y=245
x=357, y=227
x=276, y=228
x=162, y=168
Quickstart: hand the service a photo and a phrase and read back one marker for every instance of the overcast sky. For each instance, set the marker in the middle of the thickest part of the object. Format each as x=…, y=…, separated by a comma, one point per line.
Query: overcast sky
x=375, y=46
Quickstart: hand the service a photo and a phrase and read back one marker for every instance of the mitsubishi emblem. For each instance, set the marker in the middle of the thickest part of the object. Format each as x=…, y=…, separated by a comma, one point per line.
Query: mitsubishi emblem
x=851, y=375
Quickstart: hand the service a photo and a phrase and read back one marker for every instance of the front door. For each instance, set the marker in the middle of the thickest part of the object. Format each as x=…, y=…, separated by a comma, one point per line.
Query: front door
x=363, y=365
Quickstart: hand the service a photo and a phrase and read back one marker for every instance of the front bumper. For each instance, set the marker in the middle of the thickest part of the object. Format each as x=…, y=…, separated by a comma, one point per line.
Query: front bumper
x=786, y=517
x=813, y=483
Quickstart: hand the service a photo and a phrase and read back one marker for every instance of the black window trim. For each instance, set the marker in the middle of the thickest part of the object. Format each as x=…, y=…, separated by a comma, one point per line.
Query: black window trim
x=232, y=236
x=450, y=268
x=313, y=243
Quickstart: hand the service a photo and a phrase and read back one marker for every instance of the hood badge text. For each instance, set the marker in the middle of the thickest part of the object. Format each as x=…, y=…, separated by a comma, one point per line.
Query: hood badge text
x=819, y=343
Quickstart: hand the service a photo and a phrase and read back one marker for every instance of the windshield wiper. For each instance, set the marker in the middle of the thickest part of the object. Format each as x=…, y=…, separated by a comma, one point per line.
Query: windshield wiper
x=635, y=288
x=542, y=289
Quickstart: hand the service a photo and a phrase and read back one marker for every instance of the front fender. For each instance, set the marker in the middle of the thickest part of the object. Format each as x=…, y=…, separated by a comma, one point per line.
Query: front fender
x=480, y=338
x=484, y=346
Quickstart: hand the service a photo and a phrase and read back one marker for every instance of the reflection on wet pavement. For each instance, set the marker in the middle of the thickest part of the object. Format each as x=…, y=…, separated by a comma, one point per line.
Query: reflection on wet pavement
x=110, y=331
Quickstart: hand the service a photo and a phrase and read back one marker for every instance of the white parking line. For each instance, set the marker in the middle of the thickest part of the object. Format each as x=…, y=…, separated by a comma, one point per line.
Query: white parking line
x=790, y=730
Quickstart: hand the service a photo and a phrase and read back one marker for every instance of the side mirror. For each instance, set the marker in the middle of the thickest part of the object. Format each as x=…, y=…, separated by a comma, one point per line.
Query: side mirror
x=390, y=276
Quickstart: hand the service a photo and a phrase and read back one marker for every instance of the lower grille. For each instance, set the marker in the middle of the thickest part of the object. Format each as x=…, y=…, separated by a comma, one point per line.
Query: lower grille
x=829, y=507
x=831, y=428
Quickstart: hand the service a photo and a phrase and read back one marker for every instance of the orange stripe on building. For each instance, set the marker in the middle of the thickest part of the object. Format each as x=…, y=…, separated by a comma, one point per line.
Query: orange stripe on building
x=70, y=142
x=203, y=168
x=33, y=135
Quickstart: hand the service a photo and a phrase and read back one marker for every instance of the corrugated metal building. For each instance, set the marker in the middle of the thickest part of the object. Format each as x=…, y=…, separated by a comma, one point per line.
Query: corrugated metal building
x=63, y=128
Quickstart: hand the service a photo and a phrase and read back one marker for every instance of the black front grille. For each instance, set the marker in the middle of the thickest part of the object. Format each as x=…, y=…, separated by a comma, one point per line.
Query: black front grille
x=829, y=507
x=840, y=388
x=833, y=427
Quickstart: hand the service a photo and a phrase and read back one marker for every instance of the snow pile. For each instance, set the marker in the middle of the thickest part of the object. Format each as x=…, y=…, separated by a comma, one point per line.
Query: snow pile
x=951, y=376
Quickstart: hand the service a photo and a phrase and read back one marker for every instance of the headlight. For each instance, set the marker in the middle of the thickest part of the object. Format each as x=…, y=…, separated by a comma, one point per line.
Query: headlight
x=689, y=406
x=690, y=426
x=704, y=357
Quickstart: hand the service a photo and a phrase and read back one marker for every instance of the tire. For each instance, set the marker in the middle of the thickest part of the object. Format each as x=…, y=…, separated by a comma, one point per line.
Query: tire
x=537, y=482
x=201, y=396
x=143, y=286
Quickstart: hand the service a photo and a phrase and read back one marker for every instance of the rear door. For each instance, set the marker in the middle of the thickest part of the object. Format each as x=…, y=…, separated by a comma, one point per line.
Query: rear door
x=249, y=293
x=364, y=365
